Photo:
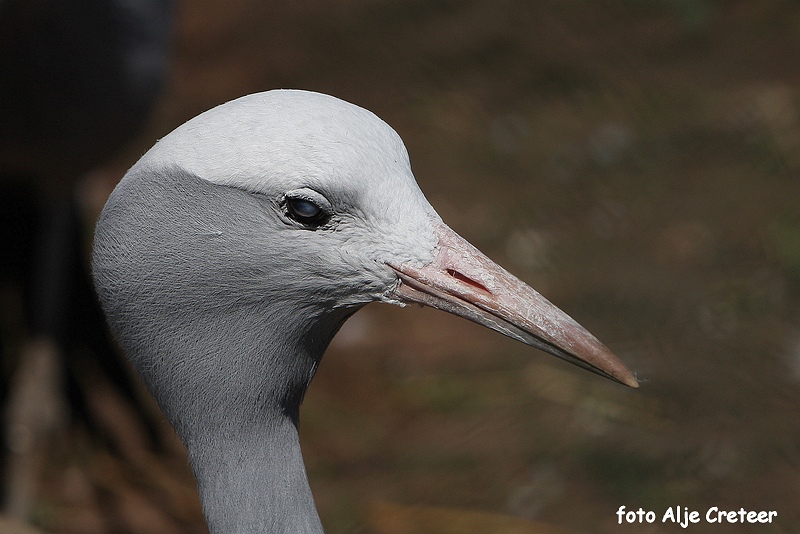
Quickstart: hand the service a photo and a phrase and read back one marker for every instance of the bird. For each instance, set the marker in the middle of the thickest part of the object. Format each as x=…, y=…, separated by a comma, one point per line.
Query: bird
x=229, y=255
x=79, y=80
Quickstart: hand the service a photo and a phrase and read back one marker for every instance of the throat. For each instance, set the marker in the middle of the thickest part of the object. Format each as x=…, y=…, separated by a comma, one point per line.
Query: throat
x=244, y=447
x=240, y=427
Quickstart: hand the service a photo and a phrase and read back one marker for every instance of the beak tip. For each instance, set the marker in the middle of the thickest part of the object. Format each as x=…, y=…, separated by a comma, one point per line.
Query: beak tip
x=630, y=380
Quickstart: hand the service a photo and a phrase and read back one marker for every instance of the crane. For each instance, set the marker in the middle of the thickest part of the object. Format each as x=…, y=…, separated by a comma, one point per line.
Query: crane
x=231, y=253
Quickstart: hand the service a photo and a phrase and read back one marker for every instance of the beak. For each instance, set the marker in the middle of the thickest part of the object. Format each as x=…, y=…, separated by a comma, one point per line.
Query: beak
x=463, y=281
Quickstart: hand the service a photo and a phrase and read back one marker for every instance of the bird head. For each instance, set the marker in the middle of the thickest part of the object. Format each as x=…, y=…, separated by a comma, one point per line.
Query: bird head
x=285, y=212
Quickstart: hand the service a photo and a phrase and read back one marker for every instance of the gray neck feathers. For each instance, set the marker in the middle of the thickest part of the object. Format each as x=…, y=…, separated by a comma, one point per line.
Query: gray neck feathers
x=181, y=272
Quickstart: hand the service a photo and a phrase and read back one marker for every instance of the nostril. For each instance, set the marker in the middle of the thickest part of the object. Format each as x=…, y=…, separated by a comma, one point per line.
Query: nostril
x=466, y=279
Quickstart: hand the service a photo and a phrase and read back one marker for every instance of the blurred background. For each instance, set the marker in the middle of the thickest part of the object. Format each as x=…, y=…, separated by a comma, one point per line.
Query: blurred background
x=637, y=162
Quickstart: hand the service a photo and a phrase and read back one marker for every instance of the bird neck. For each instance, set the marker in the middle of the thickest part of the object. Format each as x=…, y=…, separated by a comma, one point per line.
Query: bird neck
x=253, y=479
x=240, y=425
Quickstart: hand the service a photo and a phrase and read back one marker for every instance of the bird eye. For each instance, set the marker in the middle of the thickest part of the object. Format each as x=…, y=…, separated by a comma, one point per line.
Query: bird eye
x=305, y=211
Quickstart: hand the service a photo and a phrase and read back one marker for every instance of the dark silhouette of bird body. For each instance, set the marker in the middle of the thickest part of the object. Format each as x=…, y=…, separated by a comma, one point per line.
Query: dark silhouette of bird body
x=232, y=252
x=77, y=82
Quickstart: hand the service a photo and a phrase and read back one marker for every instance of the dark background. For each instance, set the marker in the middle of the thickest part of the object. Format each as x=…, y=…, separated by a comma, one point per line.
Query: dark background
x=638, y=162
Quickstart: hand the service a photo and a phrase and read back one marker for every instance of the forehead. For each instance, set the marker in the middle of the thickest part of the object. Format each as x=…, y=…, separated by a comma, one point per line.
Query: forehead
x=276, y=140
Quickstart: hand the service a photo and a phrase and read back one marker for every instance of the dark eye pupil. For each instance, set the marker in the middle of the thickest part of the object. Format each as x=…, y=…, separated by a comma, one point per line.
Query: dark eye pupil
x=303, y=210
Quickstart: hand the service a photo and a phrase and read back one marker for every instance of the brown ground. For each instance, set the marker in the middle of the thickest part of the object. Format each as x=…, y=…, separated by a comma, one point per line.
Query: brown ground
x=638, y=162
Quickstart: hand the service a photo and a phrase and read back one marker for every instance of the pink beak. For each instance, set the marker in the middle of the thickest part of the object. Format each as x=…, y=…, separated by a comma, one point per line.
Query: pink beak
x=463, y=281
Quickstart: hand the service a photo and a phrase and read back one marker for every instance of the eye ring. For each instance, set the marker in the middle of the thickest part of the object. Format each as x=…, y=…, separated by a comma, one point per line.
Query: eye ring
x=305, y=208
